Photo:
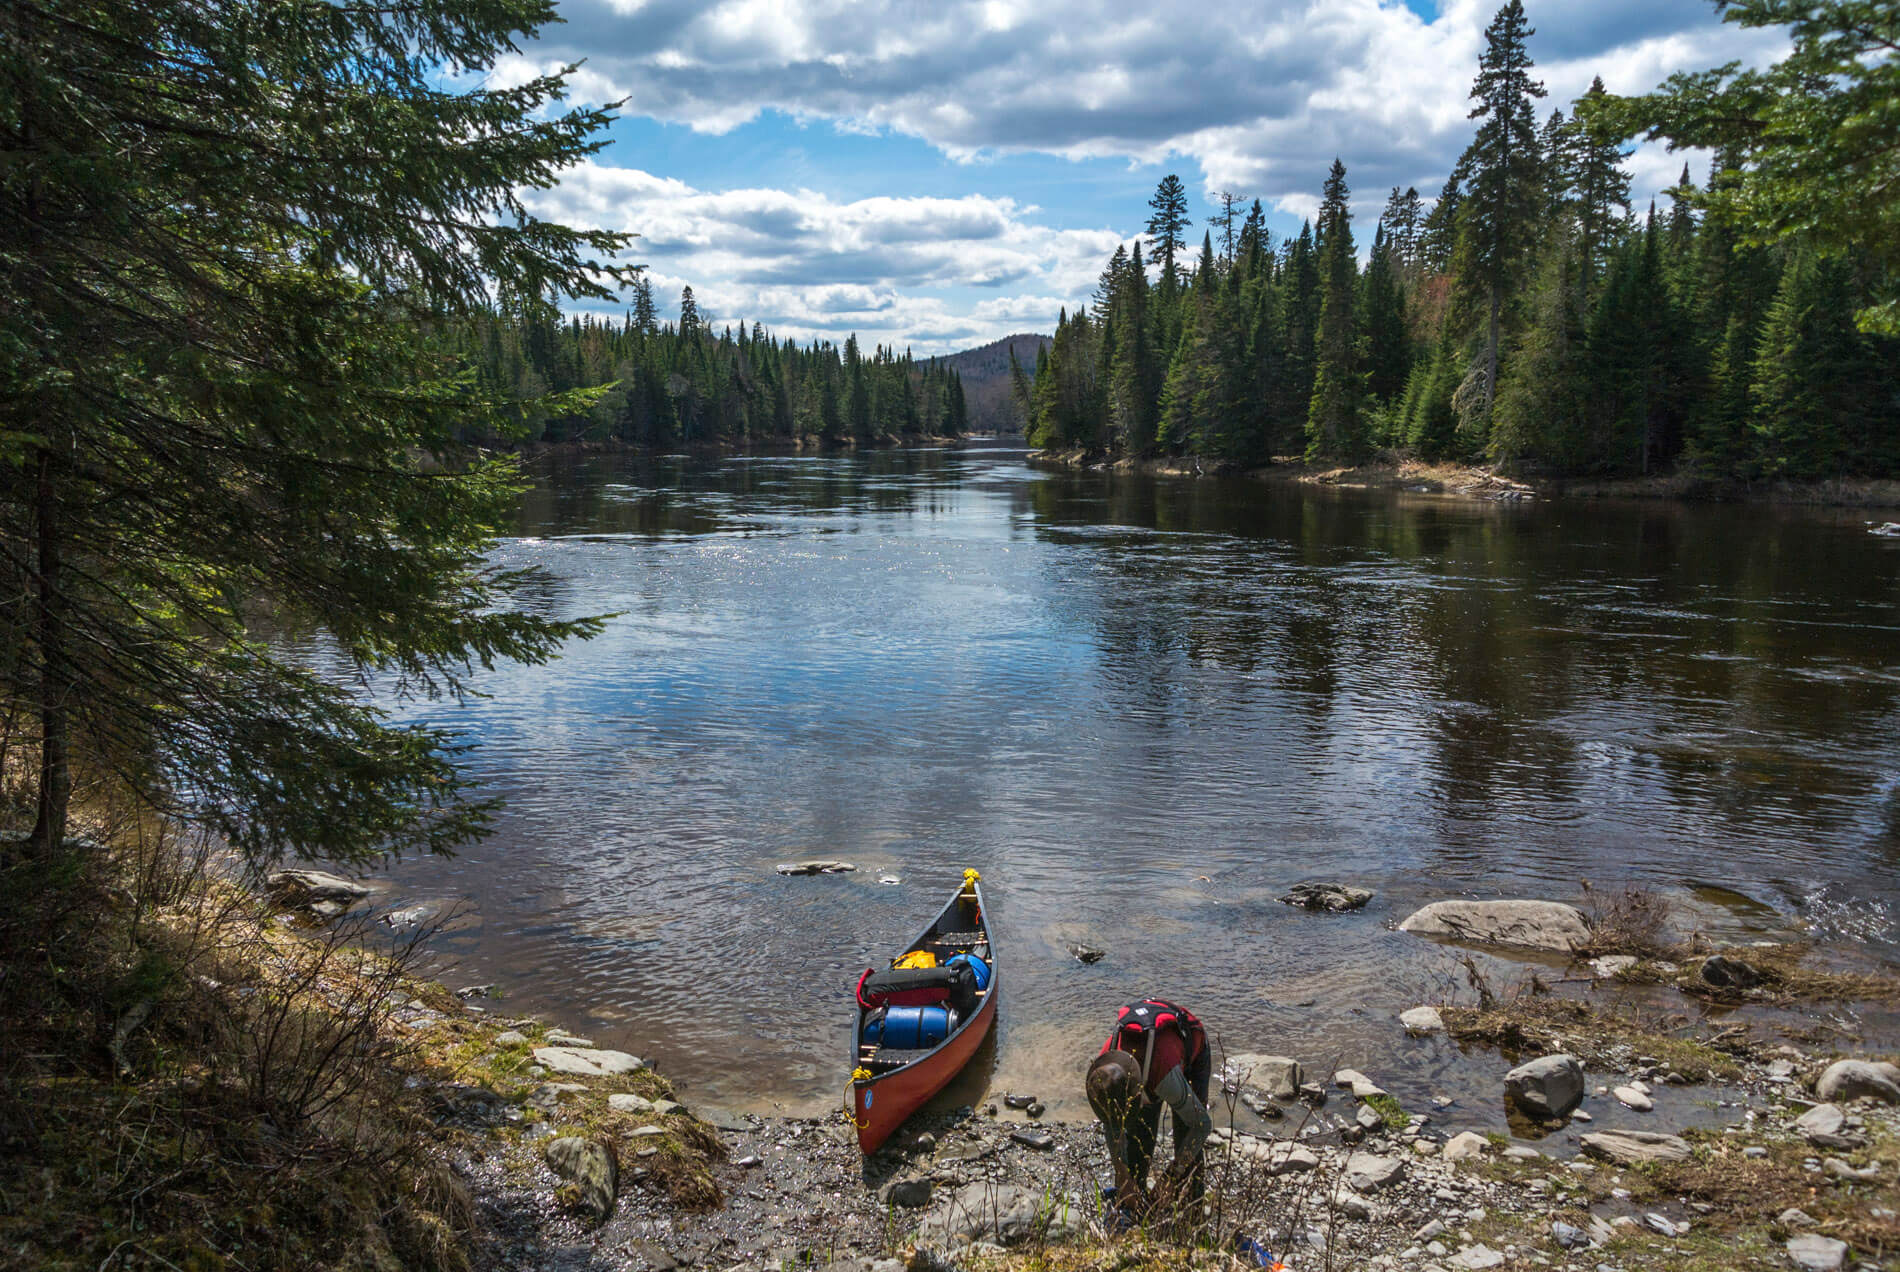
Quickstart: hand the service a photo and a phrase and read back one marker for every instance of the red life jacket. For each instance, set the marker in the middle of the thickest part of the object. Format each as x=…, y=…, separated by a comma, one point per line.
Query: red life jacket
x=1137, y=1024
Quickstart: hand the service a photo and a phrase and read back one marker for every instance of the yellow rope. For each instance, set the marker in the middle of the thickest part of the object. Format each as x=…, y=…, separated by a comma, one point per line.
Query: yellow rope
x=857, y=1076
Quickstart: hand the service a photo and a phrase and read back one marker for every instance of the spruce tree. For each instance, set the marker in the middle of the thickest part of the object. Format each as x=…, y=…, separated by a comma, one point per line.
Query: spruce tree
x=1167, y=222
x=1384, y=336
x=236, y=240
x=1500, y=215
x=1332, y=422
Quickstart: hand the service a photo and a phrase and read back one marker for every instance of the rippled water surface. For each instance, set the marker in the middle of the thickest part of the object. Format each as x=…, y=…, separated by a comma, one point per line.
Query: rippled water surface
x=1142, y=708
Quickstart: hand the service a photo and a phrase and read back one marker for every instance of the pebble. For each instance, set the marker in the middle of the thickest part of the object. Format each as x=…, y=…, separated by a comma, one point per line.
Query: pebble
x=1040, y=1140
x=1632, y=1098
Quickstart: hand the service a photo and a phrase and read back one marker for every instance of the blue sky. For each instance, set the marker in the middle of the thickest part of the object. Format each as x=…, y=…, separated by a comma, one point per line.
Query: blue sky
x=938, y=173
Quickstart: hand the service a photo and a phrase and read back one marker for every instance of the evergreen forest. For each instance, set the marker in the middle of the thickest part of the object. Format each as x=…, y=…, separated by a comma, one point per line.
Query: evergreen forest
x=1529, y=315
x=665, y=385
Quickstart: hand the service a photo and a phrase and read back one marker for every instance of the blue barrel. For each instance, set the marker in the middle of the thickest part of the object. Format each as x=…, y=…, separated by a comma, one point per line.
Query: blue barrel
x=976, y=965
x=909, y=1028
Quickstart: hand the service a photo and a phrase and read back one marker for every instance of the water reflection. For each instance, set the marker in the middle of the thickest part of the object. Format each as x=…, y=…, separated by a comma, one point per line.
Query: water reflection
x=1142, y=707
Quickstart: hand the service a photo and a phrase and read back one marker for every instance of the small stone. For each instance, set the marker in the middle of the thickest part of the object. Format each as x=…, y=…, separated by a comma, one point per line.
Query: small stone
x=1815, y=1253
x=1422, y=1021
x=1477, y=1258
x=1039, y=1140
x=1523, y=1153
x=1019, y=1101
x=1368, y=1118
x=1363, y=1088
x=1661, y=1224
x=1754, y=1152
x=1633, y=1099
x=1435, y=1228
x=889, y=880
x=1466, y=1145
x=1578, y=1115
x=1035, y=1110
x=1369, y=1172
x=474, y=991
x=511, y=1038
x=1351, y=1204
x=1278, y=1076
x=558, y=1038
x=1569, y=1236
x=748, y=1162
x=1087, y=954
x=1336, y=898
x=1611, y=966
x=627, y=1102
x=1425, y=1148
x=1841, y=1170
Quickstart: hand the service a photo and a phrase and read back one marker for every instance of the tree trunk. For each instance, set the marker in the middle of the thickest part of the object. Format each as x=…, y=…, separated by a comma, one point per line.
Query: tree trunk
x=1491, y=353
x=55, y=778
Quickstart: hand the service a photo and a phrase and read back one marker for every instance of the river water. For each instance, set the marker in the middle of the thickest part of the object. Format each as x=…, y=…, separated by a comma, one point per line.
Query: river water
x=1143, y=707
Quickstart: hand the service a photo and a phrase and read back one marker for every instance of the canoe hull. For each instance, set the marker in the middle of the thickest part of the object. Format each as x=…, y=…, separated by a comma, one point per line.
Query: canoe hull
x=880, y=1105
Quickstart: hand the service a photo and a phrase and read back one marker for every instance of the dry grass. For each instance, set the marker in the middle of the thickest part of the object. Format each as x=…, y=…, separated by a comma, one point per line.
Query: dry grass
x=1630, y=920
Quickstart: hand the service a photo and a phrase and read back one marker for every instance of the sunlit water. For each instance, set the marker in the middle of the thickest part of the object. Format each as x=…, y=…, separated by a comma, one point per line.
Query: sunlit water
x=1142, y=708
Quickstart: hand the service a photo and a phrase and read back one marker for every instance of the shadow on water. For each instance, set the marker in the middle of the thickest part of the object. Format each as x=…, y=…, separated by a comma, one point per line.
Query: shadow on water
x=1143, y=707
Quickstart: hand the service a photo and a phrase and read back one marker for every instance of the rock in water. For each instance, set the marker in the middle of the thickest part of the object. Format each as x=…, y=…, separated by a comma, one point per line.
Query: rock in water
x=1005, y=1213
x=1631, y=1098
x=1630, y=1147
x=1852, y=1079
x=1278, y=1076
x=1729, y=973
x=585, y=1063
x=1531, y=925
x=1335, y=898
x=1611, y=966
x=1816, y=1253
x=314, y=888
x=815, y=867
x=1087, y=954
x=1546, y=1088
x=592, y=1166
x=1422, y=1020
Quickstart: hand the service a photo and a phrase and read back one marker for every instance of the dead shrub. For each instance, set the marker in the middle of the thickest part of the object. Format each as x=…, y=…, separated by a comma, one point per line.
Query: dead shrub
x=1632, y=920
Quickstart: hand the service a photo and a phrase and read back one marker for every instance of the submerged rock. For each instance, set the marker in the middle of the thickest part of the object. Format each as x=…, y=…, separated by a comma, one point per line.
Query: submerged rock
x=1729, y=973
x=323, y=894
x=1422, y=1020
x=815, y=867
x=1546, y=1088
x=1531, y=925
x=1087, y=954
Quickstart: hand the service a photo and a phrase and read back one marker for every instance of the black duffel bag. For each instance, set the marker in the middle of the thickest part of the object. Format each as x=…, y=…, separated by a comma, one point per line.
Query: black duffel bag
x=953, y=985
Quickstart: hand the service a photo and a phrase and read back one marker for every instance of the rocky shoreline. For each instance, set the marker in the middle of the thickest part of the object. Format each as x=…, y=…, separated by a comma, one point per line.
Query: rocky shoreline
x=1472, y=481
x=580, y=1157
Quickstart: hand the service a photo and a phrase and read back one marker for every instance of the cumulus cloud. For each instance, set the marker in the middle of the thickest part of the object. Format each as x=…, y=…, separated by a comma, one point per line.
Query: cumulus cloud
x=895, y=270
x=1253, y=96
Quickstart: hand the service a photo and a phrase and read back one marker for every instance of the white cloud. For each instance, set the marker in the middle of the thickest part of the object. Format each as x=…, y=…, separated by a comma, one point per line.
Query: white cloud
x=894, y=270
x=1256, y=96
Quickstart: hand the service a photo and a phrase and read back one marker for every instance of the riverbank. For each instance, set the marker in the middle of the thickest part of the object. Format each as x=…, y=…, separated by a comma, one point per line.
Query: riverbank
x=1414, y=476
x=216, y=1079
x=715, y=450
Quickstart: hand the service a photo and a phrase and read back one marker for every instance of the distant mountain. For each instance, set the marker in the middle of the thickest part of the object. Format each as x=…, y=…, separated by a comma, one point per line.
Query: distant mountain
x=985, y=374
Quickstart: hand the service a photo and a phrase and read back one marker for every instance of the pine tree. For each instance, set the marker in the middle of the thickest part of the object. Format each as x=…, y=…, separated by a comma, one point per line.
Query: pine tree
x=1601, y=186
x=1332, y=423
x=1387, y=343
x=1167, y=221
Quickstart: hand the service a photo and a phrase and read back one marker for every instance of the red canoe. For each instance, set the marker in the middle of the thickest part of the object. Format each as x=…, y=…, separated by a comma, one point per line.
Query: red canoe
x=887, y=1086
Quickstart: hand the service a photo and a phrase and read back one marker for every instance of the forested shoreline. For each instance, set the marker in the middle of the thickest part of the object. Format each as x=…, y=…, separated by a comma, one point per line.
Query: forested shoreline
x=1528, y=316
x=654, y=385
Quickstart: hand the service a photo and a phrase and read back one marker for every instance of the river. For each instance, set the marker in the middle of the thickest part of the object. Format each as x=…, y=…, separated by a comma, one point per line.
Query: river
x=1142, y=707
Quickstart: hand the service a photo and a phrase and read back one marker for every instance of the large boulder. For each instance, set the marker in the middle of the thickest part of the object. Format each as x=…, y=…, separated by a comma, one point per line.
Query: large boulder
x=593, y=1169
x=1628, y=1148
x=585, y=1062
x=1852, y=1079
x=1003, y=1213
x=1547, y=1088
x=1278, y=1076
x=1530, y=925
